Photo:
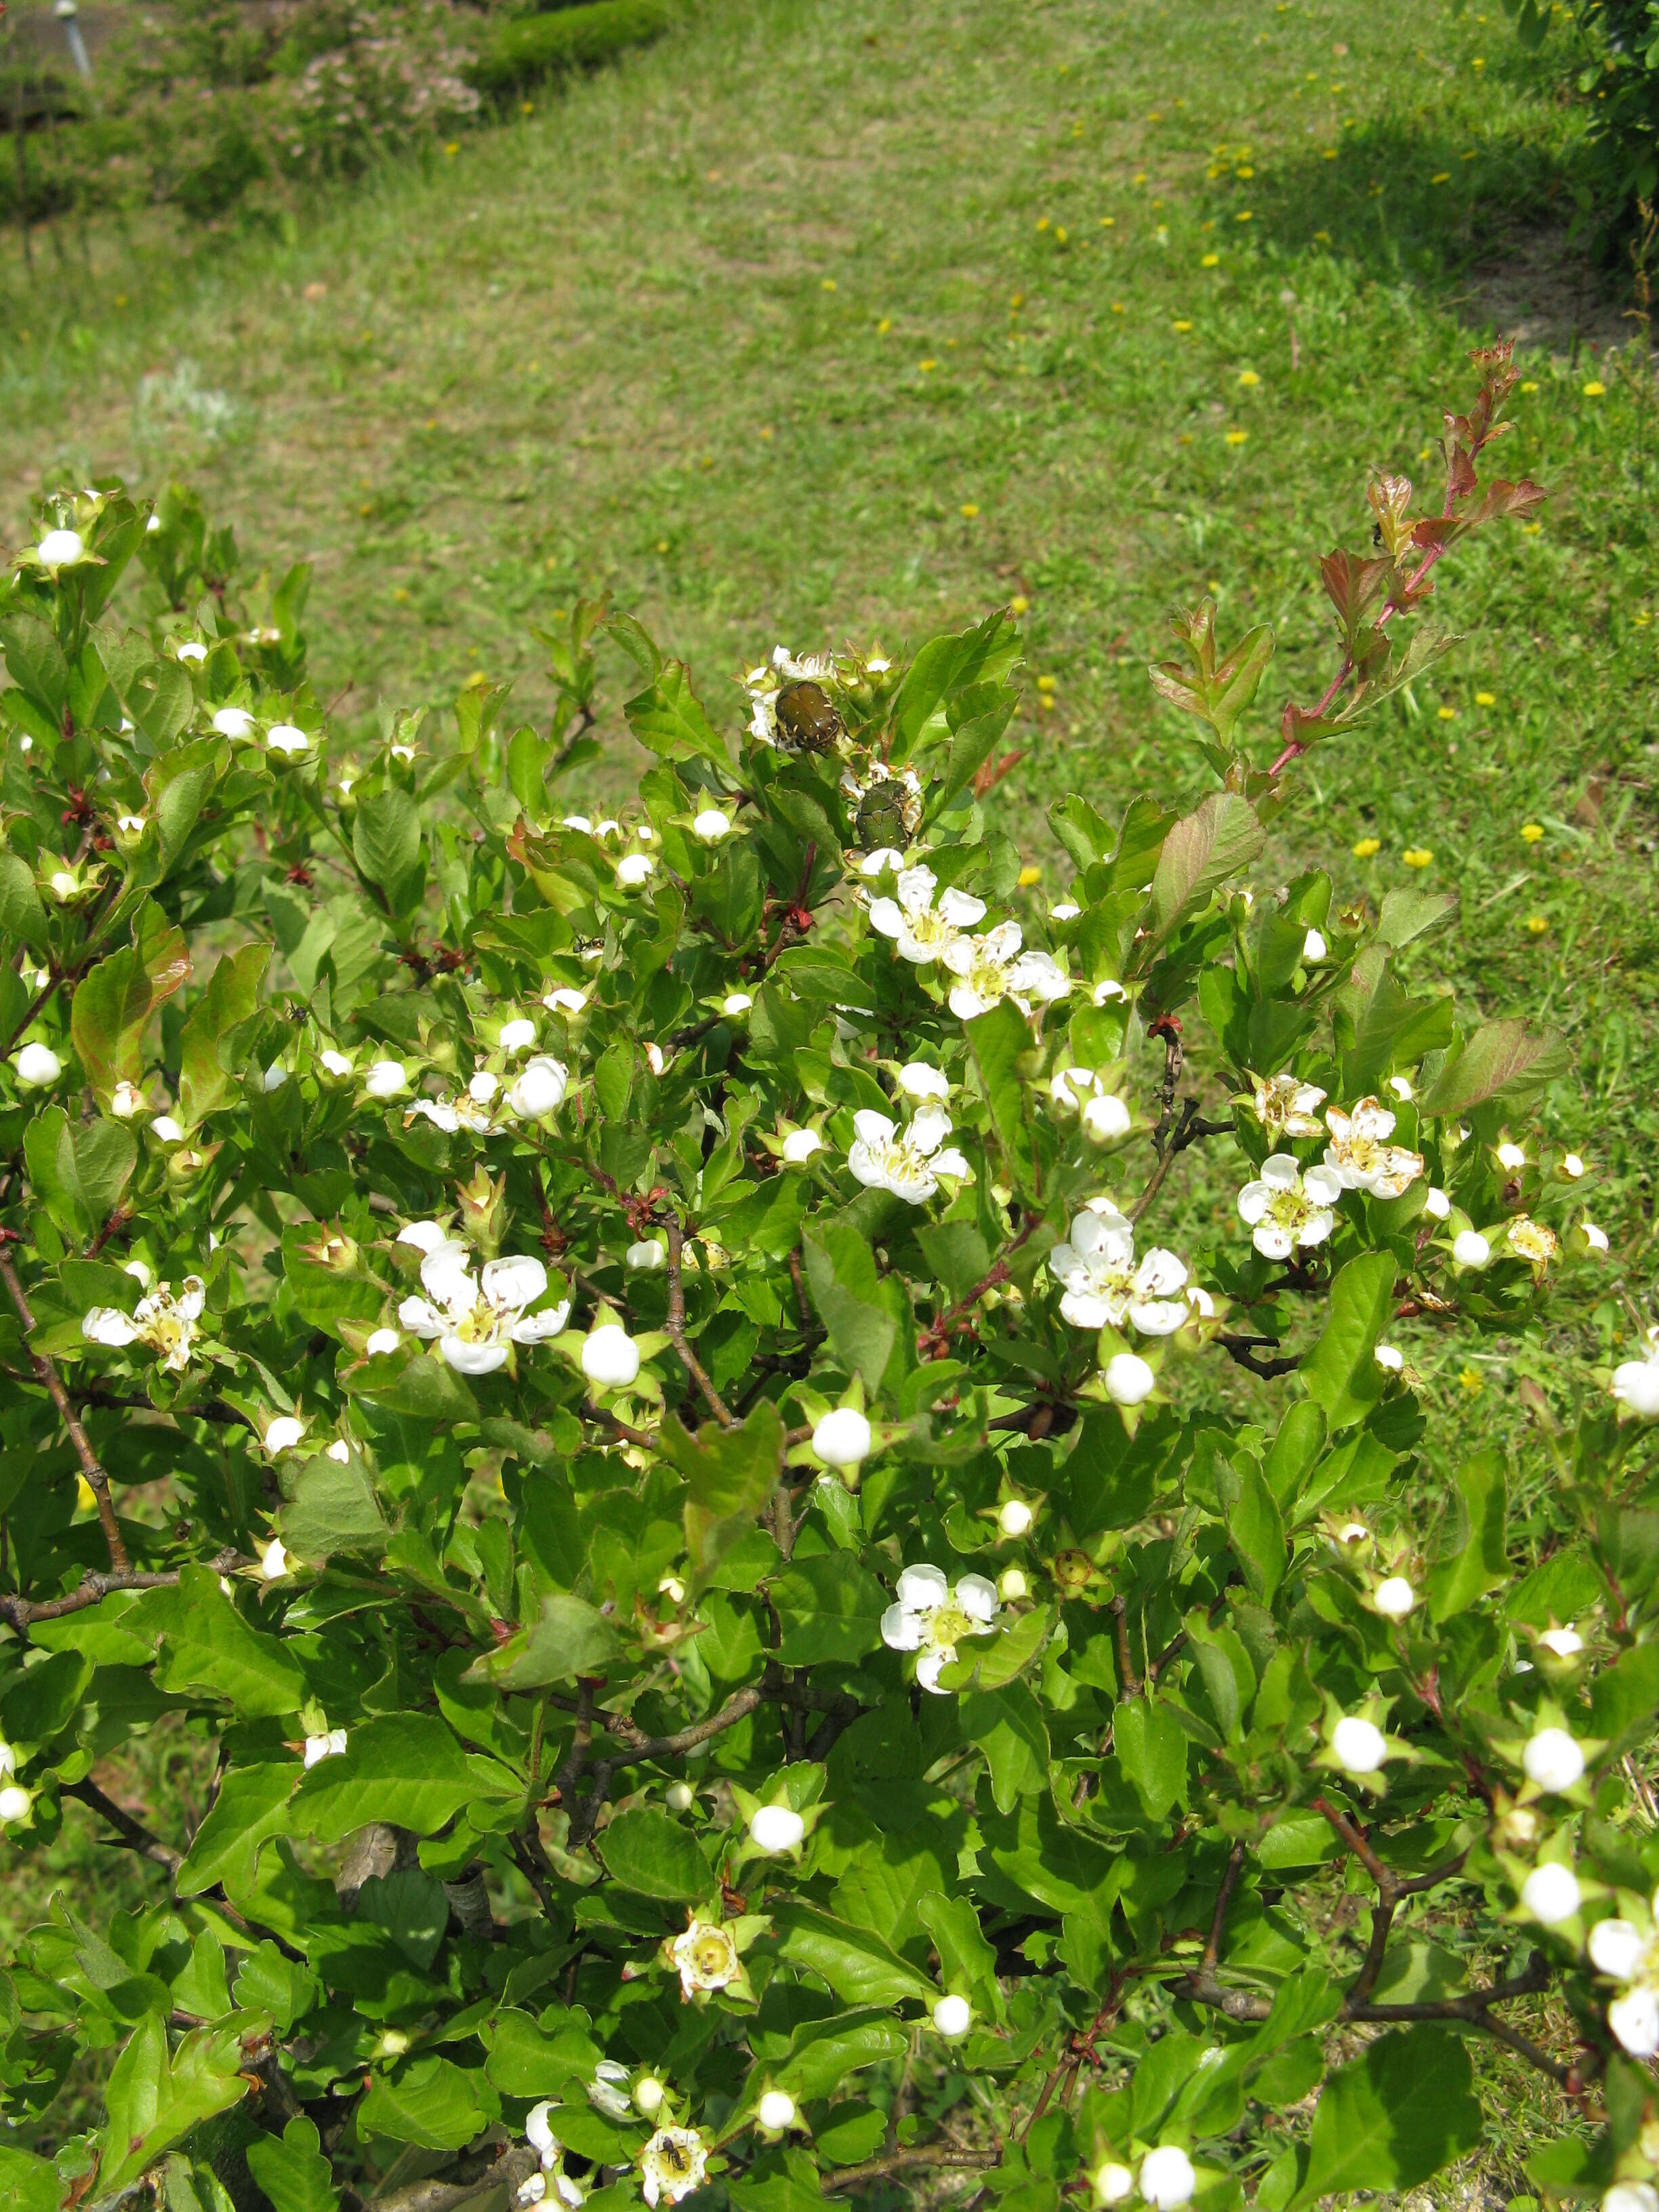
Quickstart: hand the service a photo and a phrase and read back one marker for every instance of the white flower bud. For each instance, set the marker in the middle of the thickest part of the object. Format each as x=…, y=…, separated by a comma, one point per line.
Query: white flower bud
x=648, y=1254
x=634, y=869
x=1014, y=1517
x=1470, y=1249
x=736, y=1002
x=953, y=2016
x=648, y=2093
x=1437, y=1204
x=1551, y=1893
x=1012, y=1583
x=1630, y=2196
x=1360, y=1744
x=1105, y=1119
x=1511, y=1156
x=539, y=1089
x=275, y=1076
x=1394, y=1598
x=800, y=1146
x=233, y=722
x=1563, y=1643
x=1128, y=1378
x=1167, y=2178
x=284, y=738
x=842, y=1438
x=1572, y=1166
x=382, y=1341
x=386, y=1079
x=1552, y=1760
x=482, y=1086
x=1314, y=947
x=538, y=2129
x=193, y=651
x=1389, y=1357
x=127, y=1101
x=334, y=1063
x=37, y=1065
x=711, y=825
x=680, y=1797
x=8, y=1759
x=517, y=1034
x=166, y=1130
x=273, y=1561
x=1400, y=1086
x=1617, y=1949
x=14, y=1803
x=1633, y=2018
x=60, y=549
x=776, y=2111
x=776, y=1828
x=339, y=1451
x=1113, y=2182
x=283, y=1433
x=1594, y=1237
x=610, y=1357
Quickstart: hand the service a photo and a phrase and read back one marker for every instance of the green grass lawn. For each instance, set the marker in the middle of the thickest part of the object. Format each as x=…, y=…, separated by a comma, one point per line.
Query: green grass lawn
x=821, y=319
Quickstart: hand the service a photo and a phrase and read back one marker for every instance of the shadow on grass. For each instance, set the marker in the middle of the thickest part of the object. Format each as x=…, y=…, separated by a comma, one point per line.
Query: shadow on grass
x=1480, y=224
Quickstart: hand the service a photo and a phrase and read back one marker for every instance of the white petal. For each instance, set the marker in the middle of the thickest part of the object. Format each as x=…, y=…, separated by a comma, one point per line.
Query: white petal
x=1273, y=1242
x=977, y=1598
x=472, y=1359
x=420, y=1319
x=962, y=910
x=873, y=1128
x=901, y=1629
x=513, y=1282
x=922, y=1589
x=1281, y=1172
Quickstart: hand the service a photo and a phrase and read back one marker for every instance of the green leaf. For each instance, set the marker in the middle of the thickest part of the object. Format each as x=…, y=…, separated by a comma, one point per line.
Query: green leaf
x=250, y=1808
x=28, y=2184
x=1503, y=1060
x=650, y=1853
x=1257, y=1532
x=206, y=1645
x=840, y=1268
x=333, y=1509
x=1151, y=1750
x=432, y=2103
x=855, y=1961
x=79, y=1169
x=571, y=1638
x=944, y=667
x=669, y=718
x=404, y=1768
x=21, y=915
x=1200, y=853
x=999, y=1041
x=829, y=1608
x=1008, y=1726
x=154, y=2097
x=385, y=841
x=1406, y=914
x=1473, y=1560
x=823, y=2052
x=113, y=1001
x=1393, y=2118
x=291, y=2171
x=215, y=1025
x=730, y=1474
x=967, y=1959
x=1341, y=1373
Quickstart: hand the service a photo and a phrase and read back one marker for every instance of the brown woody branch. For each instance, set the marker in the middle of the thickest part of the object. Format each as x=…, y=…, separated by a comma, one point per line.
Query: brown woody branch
x=93, y=1589
x=675, y=1326
x=134, y=1835
x=46, y=1372
x=904, y=2161
x=500, y=2168
x=1247, y=1351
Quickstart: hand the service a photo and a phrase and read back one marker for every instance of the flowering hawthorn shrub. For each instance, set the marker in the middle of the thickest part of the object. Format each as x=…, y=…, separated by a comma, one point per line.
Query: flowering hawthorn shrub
x=621, y=1378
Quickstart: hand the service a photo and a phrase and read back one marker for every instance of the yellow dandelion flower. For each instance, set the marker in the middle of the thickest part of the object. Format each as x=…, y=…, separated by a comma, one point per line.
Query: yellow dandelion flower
x=1367, y=847
x=1594, y=389
x=927, y=366
x=1641, y=618
x=1322, y=237
x=453, y=147
x=1211, y=261
x=1244, y=171
x=1485, y=698
x=1042, y=222
x=1537, y=924
x=1448, y=714
x=1416, y=856
x=1183, y=326
x=1328, y=152
x=1531, y=385
x=1444, y=177
x=826, y=284
x=1118, y=308
x=1237, y=437
x=1060, y=234
x=1243, y=215
x=527, y=107
x=1468, y=1379
x=1028, y=876
x=883, y=326
x=1532, y=833
x=1249, y=379
x=1141, y=176
x=1109, y=222
x=1530, y=529
x=1019, y=604
x=662, y=545
x=969, y=509
x=1046, y=682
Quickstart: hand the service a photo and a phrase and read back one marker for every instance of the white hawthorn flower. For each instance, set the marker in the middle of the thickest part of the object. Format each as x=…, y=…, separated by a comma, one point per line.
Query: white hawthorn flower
x=1285, y=1208
x=1167, y=2178
x=1400, y=1086
x=1470, y=1249
x=1113, y=2182
x=233, y=722
x=1636, y=1382
x=842, y=1438
x=610, y=1357
x=14, y=1803
x=424, y=1236
x=1551, y=1893
x=1014, y=1518
x=518, y=1035
x=386, y=1079
x=671, y=2164
x=1360, y=1746
x=60, y=549
x=776, y=2111
x=475, y=1322
x=634, y=869
x=1618, y=1949
x=908, y=1163
x=883, y=857
x=1630, y=2196
x=736, y=1002
x=920, y=928
x=273, y=1561
x=1552, y=1759
x=165, y=1324
x=166, y=1130
x=564, y=1000
x=1394, y=1598
x=711, y=825
x=327, y=1745
x=1390, y=1358
x=1128, y=1379
x=126, y=1101
x=608, y=2091
x=540, y=1088
x=1360, y=1155
x=38, y=1065
x=1106, y=990
x=1437, y=1204
x=284, y=738
x=917, y=1081
x=1012, y=1583
x=952, y=2016
x=776, y=1828
x=282, y=1433
x=1510, y=1156
x=1572, y=1165
x=1285, y=1106
x=1633, y=2018
x=1562, y=1642
x=1102, y=1284
x=648, y=1254
x=800, y=1144
x=706, y=1956
x=1103, y=1116
x=929, y=1617
x=1530, y=1240
x=1314, y=947
x=648, y=2095
x=992, y=967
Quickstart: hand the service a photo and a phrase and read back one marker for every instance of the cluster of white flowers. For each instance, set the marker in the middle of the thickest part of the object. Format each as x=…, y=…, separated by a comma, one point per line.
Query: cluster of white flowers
x=930, y=1617
x=1167, y=2180
x=538, y=2134
x=166, y=1323
x=1360, y=1156
x=474, y=1321
x=1626, y=1953
x=487, y=1104
x=1102, y=1284
x=908, y=1161
x=1285, y=1209
x=1102, y=1115
x=927, y=924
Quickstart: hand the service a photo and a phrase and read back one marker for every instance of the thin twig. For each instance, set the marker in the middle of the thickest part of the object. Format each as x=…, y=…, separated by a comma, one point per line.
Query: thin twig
x=133, y=1834
x=91, y=1466
x=94, y=1588
x=902, y=2161
x=675, y=1326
